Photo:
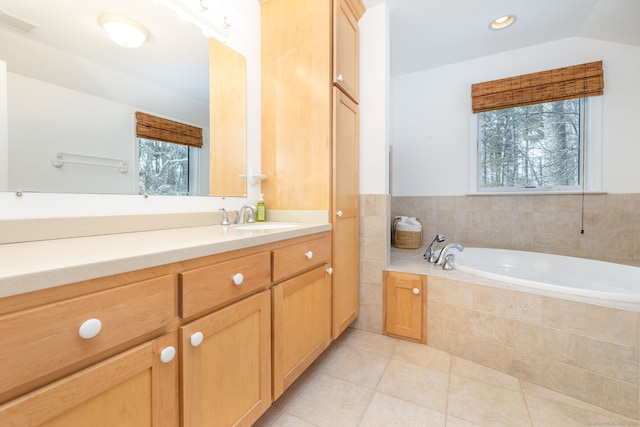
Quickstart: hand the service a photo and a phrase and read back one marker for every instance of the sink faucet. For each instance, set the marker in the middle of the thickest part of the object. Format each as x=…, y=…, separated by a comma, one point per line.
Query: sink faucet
x=445, y=257
x=430, y=254
x=252, y=210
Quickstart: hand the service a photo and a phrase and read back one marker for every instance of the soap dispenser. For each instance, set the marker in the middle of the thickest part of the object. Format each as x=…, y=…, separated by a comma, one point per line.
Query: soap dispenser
x=262, y=209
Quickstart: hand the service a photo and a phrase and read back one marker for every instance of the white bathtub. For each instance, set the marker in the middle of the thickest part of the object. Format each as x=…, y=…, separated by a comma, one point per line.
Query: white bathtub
x=599, y=282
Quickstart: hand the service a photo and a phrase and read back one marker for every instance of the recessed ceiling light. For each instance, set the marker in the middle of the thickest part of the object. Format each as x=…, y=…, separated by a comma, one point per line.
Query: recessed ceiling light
x=124, y=31
x=502, y=22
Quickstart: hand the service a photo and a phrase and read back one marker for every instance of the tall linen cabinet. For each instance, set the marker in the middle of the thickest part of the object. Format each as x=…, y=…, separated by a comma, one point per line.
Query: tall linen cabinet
x=310, y=130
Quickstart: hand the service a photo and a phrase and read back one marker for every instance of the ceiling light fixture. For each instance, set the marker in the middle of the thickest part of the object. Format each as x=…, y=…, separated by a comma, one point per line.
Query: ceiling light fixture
x=502, y=22
x=124, y=31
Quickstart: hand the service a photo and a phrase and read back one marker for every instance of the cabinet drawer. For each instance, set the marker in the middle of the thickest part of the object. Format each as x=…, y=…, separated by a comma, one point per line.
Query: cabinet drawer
x=213, y=286
x=37, y=345
x=292, y=259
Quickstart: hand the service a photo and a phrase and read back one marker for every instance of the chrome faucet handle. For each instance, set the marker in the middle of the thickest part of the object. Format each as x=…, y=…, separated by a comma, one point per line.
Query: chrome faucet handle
x=430, y=254
x=225, y=217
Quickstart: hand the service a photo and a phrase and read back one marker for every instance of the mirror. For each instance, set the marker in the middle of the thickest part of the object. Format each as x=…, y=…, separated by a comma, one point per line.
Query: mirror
x=228, y=89
x=72, y=90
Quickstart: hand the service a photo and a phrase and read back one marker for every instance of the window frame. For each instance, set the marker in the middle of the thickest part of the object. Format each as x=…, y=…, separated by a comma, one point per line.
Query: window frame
x=592, y=140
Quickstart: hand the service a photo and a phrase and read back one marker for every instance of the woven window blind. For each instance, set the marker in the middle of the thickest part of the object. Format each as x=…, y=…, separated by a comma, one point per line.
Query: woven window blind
x=152, y=127
x=577, y=81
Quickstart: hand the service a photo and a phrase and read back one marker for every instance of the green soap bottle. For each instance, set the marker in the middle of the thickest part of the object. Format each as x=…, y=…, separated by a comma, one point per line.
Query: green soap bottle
x=262, y=209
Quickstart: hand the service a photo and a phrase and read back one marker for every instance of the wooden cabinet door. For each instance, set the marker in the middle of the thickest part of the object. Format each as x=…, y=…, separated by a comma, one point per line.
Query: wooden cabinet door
x=405, y=305
x=132, y=389
x=345, y=47
x=226, y=364
x=301, y=325
x=346, y=216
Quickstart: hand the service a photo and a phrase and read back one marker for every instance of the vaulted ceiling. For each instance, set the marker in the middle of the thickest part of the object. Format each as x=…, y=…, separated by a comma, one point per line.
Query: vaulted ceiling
x=424, y=33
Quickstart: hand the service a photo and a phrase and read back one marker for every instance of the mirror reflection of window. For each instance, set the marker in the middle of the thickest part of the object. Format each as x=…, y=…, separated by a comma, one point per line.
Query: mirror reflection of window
x=165, y=148
x=163, y=168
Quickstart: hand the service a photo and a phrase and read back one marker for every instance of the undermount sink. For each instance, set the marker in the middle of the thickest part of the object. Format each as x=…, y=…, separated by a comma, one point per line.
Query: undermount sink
x=268, y=226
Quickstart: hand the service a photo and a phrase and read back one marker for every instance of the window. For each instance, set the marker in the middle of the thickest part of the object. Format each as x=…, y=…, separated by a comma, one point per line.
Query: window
x=163, y=167
x=537, y=146
x=538, y=131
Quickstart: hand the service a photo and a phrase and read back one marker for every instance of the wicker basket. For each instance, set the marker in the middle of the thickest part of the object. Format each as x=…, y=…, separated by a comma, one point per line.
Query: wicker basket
x=406, y=239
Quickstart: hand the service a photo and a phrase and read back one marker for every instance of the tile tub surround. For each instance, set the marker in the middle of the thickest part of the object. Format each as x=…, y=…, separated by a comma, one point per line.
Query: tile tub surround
x=586, y=351
x=538, y=223
x=375, y=241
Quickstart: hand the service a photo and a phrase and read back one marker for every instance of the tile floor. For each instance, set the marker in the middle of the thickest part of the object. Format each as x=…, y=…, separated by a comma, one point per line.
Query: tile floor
x=367, y=379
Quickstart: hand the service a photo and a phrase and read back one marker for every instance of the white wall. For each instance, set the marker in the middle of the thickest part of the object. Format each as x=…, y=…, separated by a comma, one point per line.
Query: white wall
x=245, y=38
x=431, y=114
x=4, y=141
x=374, y=93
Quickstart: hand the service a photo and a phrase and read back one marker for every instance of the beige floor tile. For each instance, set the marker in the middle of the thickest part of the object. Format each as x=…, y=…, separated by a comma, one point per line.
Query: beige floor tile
x=288, y=420
x=289, y=394
x=530, y=389
x=388, y=411
x=486, y=404
x=546, y=413
x=352, y=364
x=423, y=386
x=457, y=422
x=474, y=371
x=422, y=355
x=420, y=386
x=369, y=341
x=268, y=418
x=329, y=401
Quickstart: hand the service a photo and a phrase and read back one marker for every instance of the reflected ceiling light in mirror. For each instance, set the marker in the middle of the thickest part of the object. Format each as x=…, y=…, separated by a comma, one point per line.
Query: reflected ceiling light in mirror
x=502, y=22
x=194, y=14
x=124, y=31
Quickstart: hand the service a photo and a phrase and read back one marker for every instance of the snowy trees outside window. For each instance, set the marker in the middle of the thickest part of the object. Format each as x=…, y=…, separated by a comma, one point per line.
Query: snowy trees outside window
x=534, y=146
x=163, y=168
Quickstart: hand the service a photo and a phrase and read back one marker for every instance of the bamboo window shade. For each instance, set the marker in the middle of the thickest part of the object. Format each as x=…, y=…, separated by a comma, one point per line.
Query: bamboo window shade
x=159, y=129
x=577, y=81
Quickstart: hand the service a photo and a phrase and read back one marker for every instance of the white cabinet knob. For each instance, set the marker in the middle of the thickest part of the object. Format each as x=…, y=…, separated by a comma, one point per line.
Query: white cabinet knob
x=339, y=213
x=330, y=270
x=167, y=354
x=238, y=278
x=416, y=291
x=90, y=328
x=309, y=255
x=196, y=339
x=340, y=78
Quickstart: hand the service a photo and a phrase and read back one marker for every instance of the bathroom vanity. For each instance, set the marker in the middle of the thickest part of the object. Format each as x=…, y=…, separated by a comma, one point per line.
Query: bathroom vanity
x=194, y=326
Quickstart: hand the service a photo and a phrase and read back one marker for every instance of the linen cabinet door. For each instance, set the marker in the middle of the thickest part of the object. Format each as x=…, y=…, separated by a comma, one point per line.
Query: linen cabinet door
x=301, y=325
x=405, y=305
x=346, y=218
x=226, y=364
x=135, y=388
x=345, y=45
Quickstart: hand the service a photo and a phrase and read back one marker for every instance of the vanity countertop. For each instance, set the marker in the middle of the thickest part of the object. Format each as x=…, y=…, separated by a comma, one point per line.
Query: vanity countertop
x=32, y=266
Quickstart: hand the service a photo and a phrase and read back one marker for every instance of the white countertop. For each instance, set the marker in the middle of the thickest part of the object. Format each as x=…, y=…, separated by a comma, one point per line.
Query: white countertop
x=32, y=266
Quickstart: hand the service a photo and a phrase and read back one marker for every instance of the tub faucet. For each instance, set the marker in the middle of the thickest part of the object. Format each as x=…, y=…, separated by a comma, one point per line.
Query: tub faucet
x=252, y=210
x=430, y=254
x=445, y=251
